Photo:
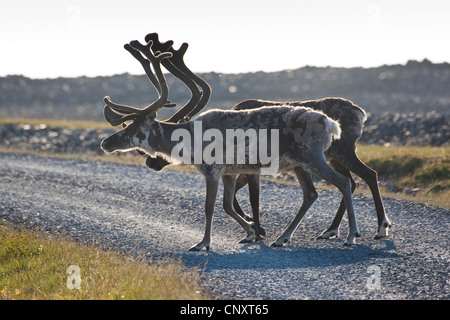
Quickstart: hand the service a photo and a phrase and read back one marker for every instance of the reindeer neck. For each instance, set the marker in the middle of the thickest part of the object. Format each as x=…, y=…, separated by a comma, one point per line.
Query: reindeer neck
x=158, y=137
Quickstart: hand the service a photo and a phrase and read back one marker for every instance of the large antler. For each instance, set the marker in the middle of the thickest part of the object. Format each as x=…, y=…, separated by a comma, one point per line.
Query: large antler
x=200, y=89
x=172, y=68
x=116, y=113
x=178, y=68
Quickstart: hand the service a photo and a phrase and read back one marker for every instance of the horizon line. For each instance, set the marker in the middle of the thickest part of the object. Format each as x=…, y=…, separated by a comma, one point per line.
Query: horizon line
x=423, y=61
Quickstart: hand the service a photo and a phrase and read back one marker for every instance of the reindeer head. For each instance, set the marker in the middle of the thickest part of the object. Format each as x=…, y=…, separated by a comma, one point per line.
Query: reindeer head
x=131, y=135
x=156, y=53
x=117, y=114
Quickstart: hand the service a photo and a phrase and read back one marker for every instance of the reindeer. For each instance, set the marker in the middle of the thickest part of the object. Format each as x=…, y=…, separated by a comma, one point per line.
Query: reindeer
x=305, y=135
x=342, y=157
x=341, y=154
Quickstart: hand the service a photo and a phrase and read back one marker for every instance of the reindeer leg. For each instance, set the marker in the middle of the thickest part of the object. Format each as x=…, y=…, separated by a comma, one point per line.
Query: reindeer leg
x=229, y=185
x=309, y=196
x=254, y=188
x=348, y=160
x=321, y=168
x=211, y=194
x=370, y=176
x=253, y=185
x=333, y=229
x=241, y=182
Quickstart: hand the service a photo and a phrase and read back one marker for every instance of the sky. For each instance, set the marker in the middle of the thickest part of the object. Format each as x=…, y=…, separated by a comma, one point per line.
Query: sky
x=71, y=38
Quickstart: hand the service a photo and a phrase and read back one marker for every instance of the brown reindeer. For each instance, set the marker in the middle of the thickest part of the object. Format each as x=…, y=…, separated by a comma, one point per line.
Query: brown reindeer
x=342, y=157
x=299, y=137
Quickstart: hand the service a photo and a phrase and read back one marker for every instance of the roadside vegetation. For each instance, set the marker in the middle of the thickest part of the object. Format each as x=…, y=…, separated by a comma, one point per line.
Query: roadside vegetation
x=421, y=174
x=34, y=265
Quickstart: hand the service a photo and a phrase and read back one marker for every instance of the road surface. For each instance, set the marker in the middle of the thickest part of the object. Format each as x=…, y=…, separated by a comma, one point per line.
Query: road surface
x=135, y=210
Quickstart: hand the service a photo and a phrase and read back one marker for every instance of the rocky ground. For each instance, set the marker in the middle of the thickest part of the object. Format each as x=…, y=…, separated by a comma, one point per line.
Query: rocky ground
x=52, y=138
x=411, y=129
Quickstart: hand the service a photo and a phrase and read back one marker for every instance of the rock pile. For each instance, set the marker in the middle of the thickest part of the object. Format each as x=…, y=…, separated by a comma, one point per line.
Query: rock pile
x=52, y=139
x=411, y=129
x=386, y=128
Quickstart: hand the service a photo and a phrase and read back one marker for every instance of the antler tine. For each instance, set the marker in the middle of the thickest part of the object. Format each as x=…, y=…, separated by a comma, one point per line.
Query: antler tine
x=115, y=118
x=172, y=68
x=157, y=45
x=112, y=112
x=145, y=64
x=196, y=103
x=206, y=95
x=178, y=68
x=156, y=63
x=120, y=107
x=189, y=82
x=148, y=71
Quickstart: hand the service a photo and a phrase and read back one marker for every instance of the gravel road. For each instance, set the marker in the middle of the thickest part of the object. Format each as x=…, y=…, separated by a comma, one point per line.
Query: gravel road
x=135, y=210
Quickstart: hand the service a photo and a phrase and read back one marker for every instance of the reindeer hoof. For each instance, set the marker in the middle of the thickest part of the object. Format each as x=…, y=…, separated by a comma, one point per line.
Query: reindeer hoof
x=255, y=230
x=253, y=234
x=329, y=234
x=280, y=242
x=383, y=230
x=262, y=232
x=351, y=239
x=260, y=229
x=199, y=247
x=248, y=239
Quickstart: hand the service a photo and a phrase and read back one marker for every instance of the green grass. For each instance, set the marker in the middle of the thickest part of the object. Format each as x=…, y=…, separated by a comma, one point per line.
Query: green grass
x=395, y=167
x=34, y=265
x=424, y=168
